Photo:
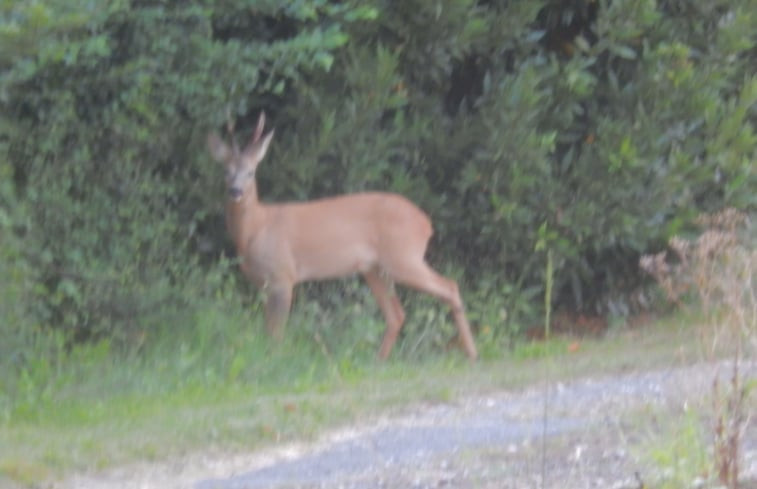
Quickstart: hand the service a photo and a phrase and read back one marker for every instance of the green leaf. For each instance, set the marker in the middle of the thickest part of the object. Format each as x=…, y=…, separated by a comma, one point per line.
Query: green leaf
x=622, y=51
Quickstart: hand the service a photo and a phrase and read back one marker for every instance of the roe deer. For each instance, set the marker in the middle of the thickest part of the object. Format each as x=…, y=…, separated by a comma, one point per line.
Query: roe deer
x=382, y=236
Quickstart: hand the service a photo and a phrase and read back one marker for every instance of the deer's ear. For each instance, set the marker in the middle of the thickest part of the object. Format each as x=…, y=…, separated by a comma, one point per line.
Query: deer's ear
x=256, y=150
x=218, y=149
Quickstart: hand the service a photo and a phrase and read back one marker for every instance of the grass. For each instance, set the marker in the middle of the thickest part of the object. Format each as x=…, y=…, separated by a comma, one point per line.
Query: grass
x=678, y=449
x=212, y=381
x=106, y=411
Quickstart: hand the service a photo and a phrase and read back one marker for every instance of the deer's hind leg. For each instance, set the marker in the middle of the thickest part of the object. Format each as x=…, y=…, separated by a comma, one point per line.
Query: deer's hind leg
x=390, y=306
x=417, y=274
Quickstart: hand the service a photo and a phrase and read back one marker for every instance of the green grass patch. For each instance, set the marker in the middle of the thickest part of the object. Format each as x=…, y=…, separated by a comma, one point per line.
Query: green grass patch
x=680, y=450
x=230, y=389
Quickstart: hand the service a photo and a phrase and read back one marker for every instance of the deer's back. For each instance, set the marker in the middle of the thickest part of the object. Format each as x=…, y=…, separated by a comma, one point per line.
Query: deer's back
x=351, y=233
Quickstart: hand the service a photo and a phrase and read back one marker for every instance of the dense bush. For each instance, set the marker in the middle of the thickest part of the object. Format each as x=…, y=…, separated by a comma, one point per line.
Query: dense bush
x=598, y=127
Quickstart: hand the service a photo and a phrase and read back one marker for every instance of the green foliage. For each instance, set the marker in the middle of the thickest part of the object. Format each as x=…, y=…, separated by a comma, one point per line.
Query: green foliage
x=608, y=123
x=596, y=129
x=680, y=453
x=101, y=105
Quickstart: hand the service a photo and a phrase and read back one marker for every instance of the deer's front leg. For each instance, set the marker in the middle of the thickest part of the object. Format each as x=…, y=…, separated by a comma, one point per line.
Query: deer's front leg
x=277, y=304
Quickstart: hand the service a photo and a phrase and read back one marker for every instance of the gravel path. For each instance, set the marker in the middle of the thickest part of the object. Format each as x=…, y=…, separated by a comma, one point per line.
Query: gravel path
x=593, y=429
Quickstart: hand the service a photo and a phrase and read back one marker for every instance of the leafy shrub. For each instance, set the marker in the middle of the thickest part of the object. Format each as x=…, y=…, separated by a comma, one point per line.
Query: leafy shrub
x=609, y=125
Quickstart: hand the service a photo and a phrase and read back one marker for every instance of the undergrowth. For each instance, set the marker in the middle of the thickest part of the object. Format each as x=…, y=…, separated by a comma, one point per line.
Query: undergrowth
x=715, y=272
x=194, y=358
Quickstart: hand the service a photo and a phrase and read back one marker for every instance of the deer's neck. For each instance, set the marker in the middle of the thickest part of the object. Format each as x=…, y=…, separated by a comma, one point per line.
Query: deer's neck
x=243, y=218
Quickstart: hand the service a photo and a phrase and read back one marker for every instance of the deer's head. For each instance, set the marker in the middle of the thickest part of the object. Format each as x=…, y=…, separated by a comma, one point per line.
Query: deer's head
x=240, y=165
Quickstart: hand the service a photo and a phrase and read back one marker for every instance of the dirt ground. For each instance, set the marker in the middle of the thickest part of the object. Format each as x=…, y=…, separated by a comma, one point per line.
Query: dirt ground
x=596, y=435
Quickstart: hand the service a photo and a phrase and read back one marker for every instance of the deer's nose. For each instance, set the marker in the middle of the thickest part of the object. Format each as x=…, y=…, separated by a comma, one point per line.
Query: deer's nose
x=235, y=193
